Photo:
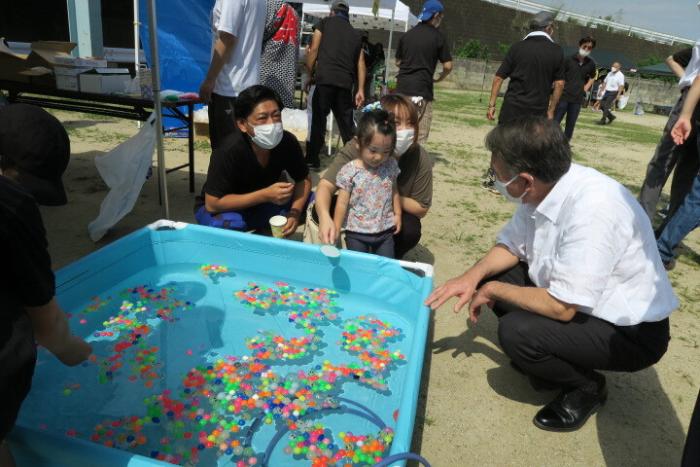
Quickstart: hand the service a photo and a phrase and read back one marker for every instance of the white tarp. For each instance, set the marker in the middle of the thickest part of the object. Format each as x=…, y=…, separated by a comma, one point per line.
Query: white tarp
x=361, y=16
x=124, y=170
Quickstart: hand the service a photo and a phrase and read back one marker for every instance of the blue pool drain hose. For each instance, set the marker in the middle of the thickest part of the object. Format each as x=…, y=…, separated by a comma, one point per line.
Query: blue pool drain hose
x=364, y=412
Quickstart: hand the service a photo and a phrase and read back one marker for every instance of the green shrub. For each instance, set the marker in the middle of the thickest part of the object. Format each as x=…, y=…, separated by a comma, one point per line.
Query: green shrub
x=473, y=48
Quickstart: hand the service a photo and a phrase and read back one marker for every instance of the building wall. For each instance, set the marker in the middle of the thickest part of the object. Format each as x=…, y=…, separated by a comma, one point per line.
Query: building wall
x=477, y=75
x=494, y=25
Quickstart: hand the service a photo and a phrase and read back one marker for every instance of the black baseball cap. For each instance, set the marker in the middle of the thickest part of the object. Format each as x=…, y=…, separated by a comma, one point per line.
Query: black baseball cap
x=35, y=144
x=340, y=5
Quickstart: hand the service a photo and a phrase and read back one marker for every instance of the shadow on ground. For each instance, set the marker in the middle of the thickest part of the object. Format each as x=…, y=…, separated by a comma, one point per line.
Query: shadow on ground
x=420, y=254
x=638, y=409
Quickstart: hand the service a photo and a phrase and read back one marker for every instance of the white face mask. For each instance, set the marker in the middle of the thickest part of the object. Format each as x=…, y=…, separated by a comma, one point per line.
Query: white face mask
x=268, y=136
x=502, y=189
x=584, y=52
x=613, y=69
x=404, y=140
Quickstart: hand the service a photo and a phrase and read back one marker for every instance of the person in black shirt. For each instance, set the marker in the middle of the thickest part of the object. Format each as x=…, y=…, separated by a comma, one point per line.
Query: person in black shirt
x=245, y=185
x=579, y=74
x=335, y=53
x=667, y=155
x=533, y=65
x=417, y=55
x=34, y=153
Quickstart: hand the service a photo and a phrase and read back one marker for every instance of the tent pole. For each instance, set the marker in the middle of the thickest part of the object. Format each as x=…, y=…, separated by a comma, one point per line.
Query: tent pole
x=155, y=74
x=136, y=38
x=137, y=61
x=388, y=49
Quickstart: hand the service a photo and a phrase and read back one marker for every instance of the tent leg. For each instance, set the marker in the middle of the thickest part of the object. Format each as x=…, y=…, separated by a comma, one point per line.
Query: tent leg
x=137, y=42
x=388, y=49
x=155, y=71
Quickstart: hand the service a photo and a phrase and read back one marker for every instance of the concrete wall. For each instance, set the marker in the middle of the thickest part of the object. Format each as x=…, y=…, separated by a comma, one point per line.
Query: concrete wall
x=477, y=75
x=494, y=25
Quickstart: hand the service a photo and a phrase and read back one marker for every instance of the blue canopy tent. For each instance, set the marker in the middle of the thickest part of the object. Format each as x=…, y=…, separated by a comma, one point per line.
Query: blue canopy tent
x=184, y=40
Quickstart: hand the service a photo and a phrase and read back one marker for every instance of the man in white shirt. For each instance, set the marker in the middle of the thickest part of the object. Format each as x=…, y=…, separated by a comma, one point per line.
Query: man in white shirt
x=237, y=29
x=614, y=87
x=574, y=277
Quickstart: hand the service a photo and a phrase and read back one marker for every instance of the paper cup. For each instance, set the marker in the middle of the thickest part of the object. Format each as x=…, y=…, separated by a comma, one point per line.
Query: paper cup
x=277, y=224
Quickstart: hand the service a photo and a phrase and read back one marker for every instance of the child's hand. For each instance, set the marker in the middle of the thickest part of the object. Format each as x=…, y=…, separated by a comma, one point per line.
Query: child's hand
x=397, y=224
x=74, y=352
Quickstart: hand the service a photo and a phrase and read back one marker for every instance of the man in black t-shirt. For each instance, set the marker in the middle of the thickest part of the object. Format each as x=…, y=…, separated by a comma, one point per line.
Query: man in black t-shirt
x=34, y=152
x=417, y=55
x=337, y=64
x=245, y=184
x=534, y=65
x=579, y=74
x=667, y=155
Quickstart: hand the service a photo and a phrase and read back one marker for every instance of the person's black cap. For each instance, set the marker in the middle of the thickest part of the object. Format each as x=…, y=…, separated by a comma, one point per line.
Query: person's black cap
x=340, y=5
x=35, y=144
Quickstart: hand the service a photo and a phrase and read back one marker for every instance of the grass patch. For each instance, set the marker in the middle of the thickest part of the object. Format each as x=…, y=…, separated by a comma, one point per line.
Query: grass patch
x=621, y=131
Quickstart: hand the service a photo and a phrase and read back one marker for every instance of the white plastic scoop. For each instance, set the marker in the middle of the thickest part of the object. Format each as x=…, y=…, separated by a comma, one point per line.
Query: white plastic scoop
x=329, y=251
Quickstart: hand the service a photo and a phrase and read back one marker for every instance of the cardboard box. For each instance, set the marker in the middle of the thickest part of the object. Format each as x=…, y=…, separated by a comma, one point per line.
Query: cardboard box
x=37, y=66
x=201, y=130
x=11, y=64
x=49, y=53
x=67, y=77
x=80, y=62
x=105, y=80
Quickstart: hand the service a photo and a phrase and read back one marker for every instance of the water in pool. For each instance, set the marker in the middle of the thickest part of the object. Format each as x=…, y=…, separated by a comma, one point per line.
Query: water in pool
x=203, y=365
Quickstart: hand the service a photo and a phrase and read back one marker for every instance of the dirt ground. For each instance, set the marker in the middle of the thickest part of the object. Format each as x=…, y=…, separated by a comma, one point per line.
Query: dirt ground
x=474, y=409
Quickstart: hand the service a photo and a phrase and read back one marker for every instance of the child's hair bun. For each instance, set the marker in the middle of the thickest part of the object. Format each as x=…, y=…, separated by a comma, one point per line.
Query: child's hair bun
x=375, y=118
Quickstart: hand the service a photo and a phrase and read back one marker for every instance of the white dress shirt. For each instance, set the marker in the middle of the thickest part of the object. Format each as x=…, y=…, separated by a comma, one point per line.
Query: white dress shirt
x=590, y=244
x=613, y=81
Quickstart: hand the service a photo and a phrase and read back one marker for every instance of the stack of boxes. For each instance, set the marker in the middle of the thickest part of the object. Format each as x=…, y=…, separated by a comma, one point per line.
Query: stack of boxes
x=50, y=64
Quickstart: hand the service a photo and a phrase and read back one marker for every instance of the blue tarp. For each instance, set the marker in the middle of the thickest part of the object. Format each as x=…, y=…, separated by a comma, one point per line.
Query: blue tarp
x=184, y=41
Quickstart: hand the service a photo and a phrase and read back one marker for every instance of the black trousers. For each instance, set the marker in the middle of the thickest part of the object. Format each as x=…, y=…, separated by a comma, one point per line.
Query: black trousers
x=380, y=244
x=409, y=236
x=326, y=99
x=510, y=111
x=607, y=103
x=667, y=156
x=572, y=111
x=566, y=353
x=222, y=118
x=17, y=361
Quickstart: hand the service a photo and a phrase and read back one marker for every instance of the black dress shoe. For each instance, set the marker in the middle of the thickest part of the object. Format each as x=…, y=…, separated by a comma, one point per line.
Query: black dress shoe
x=611, y=118
x=570, y=410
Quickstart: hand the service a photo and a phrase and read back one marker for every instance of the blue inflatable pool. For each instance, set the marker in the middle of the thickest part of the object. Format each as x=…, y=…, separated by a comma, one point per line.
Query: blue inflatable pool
x=218, y=348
